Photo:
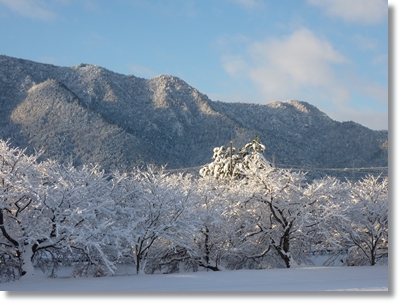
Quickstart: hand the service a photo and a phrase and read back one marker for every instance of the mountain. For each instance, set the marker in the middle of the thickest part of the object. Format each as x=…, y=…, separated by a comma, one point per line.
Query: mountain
x=88, y=114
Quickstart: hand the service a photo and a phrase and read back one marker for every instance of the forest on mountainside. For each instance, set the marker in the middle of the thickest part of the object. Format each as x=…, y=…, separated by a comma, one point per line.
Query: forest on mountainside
x=88, y=114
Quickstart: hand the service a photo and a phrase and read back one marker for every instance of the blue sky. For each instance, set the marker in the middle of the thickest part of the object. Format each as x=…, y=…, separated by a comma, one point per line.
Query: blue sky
x=330, y=53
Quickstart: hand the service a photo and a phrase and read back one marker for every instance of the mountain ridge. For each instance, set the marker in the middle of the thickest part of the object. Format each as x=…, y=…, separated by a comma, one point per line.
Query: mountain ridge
x=86, y=113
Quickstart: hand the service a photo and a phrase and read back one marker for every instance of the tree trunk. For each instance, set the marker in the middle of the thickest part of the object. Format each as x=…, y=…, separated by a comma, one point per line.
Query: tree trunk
x=283, y=249
x=137, y=264
x=26, y=255
x=204, y=261
x=285, y=255
x=373, y=257
x=206, y=246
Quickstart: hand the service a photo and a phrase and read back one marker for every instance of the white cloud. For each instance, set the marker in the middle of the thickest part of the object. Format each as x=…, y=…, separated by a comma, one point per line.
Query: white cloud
x=357, y=11
x=287, y=68
x=34, y=9
x=306, y=67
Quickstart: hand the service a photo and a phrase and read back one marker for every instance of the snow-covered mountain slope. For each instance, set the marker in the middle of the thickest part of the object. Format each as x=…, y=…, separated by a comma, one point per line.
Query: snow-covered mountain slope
x=86, y=113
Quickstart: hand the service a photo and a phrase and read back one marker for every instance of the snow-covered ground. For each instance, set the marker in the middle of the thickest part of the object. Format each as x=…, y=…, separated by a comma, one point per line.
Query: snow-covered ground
x=364, y=278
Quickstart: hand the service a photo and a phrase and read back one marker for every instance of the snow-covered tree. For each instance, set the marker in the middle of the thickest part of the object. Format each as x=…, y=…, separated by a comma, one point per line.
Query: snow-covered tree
x=82, y=215
x=271, y=202
x=327, y=200
x=368, y=221
x=288, y=215
x=46, y=207
x=274, y=204
x=214, y=224
x=19, y=180
x=152, y=208
x=240, y=213
x=229, y=164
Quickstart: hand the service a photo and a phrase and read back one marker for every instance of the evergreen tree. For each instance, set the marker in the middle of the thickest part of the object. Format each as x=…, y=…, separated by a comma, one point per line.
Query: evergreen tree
x=230, y=164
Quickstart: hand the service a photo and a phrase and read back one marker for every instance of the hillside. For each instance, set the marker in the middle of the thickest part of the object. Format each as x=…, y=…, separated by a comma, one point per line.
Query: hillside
x=88, y=114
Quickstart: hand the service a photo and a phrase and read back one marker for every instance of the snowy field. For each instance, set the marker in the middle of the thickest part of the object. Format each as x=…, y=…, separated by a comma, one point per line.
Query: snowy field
x=364, y=278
